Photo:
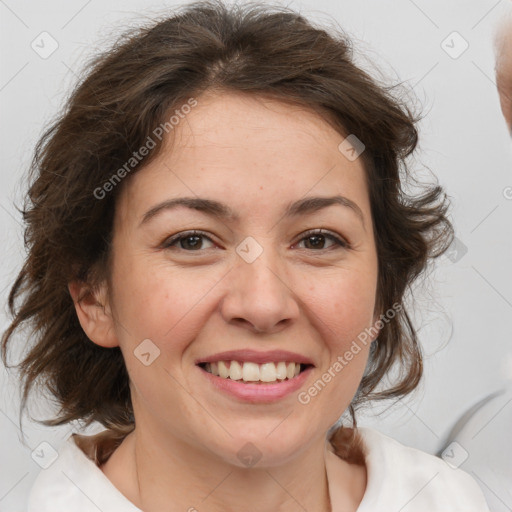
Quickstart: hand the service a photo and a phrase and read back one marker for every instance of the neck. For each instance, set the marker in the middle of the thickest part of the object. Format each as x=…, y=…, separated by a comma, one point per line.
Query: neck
x=184, y=478
x=176, y=476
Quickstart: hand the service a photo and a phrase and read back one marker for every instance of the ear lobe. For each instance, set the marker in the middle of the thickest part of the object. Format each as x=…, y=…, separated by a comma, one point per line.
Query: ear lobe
x=94, y=313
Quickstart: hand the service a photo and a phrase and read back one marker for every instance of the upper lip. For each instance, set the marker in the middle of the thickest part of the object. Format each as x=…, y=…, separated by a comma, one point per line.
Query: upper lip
x=255, y=356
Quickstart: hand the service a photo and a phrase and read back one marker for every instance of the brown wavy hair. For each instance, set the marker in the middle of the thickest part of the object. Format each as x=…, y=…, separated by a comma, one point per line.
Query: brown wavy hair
x=132, y=88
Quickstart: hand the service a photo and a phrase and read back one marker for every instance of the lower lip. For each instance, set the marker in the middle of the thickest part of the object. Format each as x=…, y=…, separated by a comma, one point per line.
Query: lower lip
x=258, y=393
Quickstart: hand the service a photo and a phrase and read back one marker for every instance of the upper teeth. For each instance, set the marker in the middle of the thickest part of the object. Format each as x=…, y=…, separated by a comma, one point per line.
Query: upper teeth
x=252, y=372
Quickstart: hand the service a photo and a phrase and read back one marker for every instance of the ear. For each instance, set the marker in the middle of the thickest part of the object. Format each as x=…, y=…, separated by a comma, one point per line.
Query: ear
x=376, y=325
x=381, y=318
x=94, y=313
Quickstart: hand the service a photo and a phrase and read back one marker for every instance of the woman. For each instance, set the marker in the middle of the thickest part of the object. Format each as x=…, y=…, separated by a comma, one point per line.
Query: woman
x=219, y=245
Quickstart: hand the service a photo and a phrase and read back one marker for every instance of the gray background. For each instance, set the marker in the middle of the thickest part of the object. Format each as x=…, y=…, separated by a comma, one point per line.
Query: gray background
x=464, y=309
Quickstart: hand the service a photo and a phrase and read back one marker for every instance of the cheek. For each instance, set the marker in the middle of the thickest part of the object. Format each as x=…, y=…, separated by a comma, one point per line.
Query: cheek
x=161, y=303
x=342, y=315
x=344, y=305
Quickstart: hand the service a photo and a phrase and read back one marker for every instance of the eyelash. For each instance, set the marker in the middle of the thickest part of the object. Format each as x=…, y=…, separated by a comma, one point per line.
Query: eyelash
x=168, y=243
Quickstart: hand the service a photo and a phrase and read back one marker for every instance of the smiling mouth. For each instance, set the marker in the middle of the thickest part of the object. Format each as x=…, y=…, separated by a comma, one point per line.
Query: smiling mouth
x=249, y=372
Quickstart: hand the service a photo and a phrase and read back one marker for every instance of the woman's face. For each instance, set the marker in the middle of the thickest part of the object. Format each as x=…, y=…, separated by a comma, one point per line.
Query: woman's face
x=253, y=283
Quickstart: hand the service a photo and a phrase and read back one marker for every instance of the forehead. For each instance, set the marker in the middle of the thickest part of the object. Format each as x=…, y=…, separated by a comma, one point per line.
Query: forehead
x=232, y=119
x=241, y=148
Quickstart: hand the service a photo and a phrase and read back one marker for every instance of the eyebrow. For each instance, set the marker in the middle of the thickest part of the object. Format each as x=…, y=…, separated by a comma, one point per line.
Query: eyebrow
x=221, y=211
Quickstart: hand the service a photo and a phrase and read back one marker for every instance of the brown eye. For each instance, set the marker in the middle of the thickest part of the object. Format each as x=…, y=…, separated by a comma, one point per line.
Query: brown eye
x=316, y=239
x=188, y=241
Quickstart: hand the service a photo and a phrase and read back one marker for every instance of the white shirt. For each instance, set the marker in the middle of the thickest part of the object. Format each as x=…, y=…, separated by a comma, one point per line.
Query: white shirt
x=400, y=479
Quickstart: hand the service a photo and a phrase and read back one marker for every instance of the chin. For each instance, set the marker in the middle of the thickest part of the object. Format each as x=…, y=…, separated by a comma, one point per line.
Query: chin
x=262, y=449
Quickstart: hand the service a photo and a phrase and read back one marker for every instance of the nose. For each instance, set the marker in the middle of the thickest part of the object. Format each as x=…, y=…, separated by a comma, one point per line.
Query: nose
x=258, y=296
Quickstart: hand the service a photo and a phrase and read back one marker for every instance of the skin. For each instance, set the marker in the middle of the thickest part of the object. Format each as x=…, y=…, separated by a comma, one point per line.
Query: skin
x=195, y=303
x=503, y=50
